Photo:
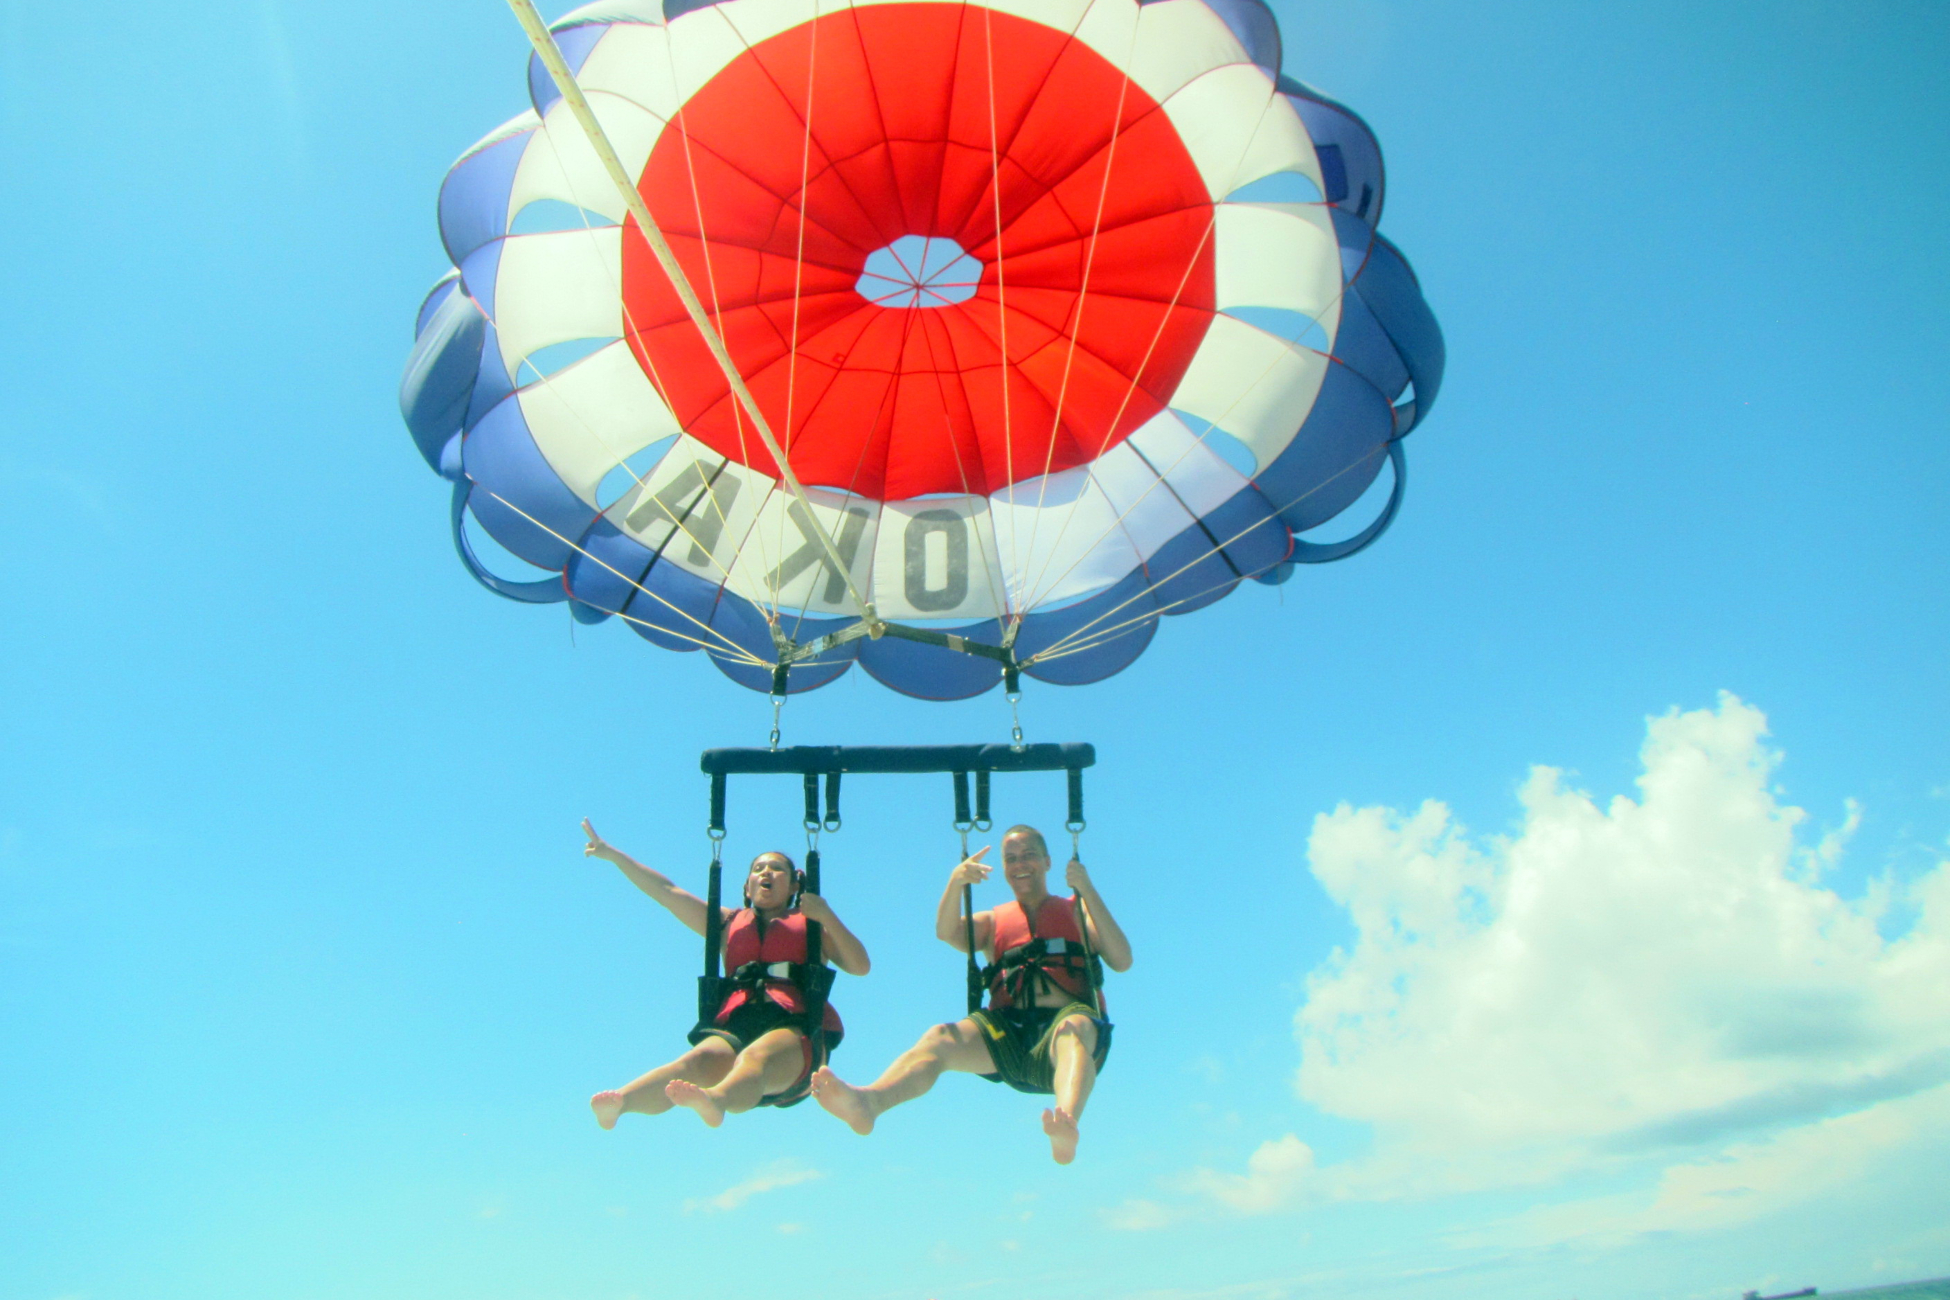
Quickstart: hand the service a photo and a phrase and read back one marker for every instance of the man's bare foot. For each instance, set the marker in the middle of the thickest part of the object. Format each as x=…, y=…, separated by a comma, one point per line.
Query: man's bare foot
x=607, y=1105
x=686, y=1093
x=1062, y=1131
x=843, y=1099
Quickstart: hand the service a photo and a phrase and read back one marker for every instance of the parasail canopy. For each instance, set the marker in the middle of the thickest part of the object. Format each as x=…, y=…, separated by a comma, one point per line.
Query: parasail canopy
x=1065, y=314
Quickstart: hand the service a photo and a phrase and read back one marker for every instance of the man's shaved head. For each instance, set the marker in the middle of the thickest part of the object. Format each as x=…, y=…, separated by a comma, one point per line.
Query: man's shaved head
x=1031, y=834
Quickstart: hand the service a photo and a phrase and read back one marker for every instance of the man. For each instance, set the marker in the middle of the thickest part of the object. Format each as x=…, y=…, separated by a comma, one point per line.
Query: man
x=1042, y=1030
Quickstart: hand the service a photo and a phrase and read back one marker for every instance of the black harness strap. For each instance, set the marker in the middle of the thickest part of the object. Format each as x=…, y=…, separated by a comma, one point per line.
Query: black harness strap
x=710, y=986
x=963, y=824
x=815, y=977
x=1012, y=973
x=1093, y=968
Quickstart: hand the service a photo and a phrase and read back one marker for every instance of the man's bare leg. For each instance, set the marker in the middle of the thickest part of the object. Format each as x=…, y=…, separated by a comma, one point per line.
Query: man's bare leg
x=767, y=1066
x=705, y=1063
x=1073, y=1050
x=945, y=1047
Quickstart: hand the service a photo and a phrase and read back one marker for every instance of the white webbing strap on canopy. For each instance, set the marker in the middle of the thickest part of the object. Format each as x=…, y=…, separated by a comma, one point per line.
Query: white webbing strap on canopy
x=558, y=69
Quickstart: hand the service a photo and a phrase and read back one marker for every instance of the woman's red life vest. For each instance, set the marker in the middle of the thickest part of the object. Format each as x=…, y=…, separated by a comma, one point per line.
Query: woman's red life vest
x=1056, y=918
x=784, y=941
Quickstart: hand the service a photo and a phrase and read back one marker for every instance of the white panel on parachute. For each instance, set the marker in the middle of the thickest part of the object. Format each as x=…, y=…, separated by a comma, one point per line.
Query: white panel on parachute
x=1059, y=537
x=782, y=565
x=1178, y=42
x=633, y=63
x=1237, y=129
x=702, y=42
x=1254, y=385
x=1278, y=255
x=694, y=507
x=1063, y=15
x=559, y=162
x=590, y=418
x=555, y=287
x=760, y=20
x=935, y=558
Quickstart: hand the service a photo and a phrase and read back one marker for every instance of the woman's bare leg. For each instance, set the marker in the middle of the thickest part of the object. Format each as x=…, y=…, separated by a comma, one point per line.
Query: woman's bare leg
x=945, y=1047
x=769, y=1065
x=1073, y=1050
x=706, y=1063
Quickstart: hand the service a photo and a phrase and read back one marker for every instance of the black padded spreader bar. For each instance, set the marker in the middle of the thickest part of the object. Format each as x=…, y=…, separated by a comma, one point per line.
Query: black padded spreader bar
x=899, y=758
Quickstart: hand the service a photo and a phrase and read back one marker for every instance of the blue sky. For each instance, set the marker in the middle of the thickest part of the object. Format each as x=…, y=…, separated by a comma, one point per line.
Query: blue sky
x=303, y=982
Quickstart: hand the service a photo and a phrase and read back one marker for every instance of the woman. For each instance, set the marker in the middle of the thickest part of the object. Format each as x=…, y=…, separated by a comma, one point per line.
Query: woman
x=756, y=1051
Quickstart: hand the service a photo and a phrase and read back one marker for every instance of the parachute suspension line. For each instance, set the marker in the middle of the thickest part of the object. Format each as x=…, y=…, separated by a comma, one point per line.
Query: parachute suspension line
x=1084, y=638
x=997, y=591
x=1001, y=308
x=787, y=644
x=1083, y=298
x=678, y=124
x=965, y=823
x=558, y=70
x=799, y=270
x=728, y=648
x=681, y=524
x=1038, y=588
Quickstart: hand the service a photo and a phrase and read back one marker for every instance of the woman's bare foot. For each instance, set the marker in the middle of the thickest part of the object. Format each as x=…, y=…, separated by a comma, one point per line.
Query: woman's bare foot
x=686, y=1093
x=842, y=1099
x=607, y=1105
x=1062, y=1131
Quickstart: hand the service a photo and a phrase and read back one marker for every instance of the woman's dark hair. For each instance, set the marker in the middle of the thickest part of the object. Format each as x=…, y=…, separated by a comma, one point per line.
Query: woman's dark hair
x=790, y=865
x=798, y=876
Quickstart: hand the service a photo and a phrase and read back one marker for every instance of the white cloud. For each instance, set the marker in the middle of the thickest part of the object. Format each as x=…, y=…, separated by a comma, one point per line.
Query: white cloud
x=1744, y=1182
x=1273, y=1174
x=783, y=1173
x=1139, y=1215
x=1659, y=978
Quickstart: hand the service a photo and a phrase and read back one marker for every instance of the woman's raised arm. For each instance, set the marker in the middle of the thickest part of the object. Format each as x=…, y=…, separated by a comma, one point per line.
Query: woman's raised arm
x=682, y=903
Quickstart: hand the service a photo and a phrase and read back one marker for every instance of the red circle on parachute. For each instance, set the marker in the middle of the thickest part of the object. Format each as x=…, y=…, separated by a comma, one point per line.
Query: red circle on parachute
x=1017, y=141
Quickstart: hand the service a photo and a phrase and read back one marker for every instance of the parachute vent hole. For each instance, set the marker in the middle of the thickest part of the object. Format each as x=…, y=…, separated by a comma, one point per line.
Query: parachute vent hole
x=1280, y=187
x=548, y=216
x=543, y=362
x=1293, y=326
x=915, y=271
x=619, y=482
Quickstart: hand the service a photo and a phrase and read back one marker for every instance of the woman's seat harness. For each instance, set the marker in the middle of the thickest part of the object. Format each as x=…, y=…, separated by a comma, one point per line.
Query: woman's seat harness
x=771, y=985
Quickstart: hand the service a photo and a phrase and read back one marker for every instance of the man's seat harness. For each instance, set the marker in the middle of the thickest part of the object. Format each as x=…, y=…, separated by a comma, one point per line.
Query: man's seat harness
x=1023, y=973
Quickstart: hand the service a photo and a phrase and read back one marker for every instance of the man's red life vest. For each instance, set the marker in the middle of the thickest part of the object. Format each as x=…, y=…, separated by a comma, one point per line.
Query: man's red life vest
x=783, y=944
x=1056, y=918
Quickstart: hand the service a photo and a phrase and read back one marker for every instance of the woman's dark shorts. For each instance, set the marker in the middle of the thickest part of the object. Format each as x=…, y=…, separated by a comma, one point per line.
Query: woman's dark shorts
x=759, y=1017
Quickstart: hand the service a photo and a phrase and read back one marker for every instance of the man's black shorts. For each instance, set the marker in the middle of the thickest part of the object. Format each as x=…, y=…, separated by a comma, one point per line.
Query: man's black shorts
x=1019, y=1041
